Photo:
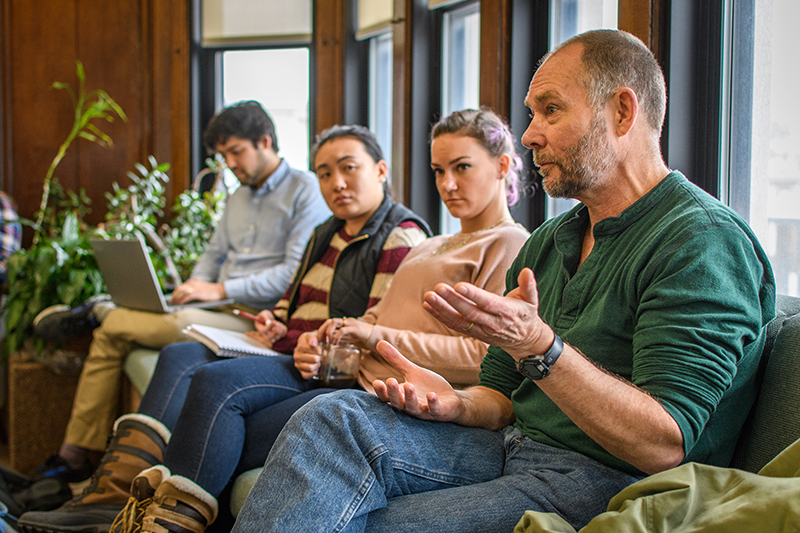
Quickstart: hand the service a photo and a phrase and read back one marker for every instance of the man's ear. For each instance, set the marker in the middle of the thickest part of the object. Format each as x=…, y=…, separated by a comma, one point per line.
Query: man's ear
x=265, y=142
x=626, y=110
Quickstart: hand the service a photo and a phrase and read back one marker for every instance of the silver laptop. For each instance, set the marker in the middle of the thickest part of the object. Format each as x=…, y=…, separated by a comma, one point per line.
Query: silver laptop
x=131, y=279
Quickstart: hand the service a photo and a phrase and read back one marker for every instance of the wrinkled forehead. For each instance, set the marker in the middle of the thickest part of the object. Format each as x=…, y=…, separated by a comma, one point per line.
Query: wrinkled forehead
x=559, y=75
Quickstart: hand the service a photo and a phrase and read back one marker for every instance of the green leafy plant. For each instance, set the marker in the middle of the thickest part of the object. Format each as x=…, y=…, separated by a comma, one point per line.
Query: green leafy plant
x=88, y=106
x=134, y=210
x=185, y=238
x=175, y=247
x=59, y=267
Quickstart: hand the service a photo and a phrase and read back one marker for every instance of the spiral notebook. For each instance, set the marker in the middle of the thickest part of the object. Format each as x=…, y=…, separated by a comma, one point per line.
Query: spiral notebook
x=227, y=343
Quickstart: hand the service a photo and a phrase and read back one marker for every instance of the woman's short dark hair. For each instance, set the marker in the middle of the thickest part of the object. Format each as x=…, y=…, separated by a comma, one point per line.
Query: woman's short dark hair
x=356, y=131
x=361, y=134
x=486, y=127
x=246, y=120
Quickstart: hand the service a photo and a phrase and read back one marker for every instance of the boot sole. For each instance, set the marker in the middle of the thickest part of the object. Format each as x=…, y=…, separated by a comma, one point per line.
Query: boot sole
x=83, y=528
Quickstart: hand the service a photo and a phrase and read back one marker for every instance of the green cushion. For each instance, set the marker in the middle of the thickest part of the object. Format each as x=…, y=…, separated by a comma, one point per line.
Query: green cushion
x=774, y=421
x=241, y=488
x=139, y=367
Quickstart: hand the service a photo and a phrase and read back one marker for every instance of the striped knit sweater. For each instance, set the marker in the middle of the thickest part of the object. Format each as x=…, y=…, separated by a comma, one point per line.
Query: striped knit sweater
x=312, y=308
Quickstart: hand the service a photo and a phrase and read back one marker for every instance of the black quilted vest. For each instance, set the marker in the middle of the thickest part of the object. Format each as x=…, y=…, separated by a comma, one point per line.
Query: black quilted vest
x=357, y=264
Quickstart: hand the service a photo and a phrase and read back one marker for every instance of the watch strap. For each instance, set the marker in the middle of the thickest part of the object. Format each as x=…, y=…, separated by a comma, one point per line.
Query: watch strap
x=541, y=363
x=554, y=352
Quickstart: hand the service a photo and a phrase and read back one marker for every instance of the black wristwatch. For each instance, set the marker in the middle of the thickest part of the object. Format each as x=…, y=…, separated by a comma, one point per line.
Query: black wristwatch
x=538, y=366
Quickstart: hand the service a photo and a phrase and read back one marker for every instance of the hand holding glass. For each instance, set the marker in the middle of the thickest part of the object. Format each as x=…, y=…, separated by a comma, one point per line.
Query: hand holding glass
x=339, y=365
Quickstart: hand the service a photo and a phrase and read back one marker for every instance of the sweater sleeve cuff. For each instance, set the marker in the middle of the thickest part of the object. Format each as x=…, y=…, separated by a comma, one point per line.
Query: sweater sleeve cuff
x=377, y=334
x=234, y=289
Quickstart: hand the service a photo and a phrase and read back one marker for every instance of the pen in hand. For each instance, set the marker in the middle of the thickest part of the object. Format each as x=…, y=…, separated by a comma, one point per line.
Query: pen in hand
x=254, y=318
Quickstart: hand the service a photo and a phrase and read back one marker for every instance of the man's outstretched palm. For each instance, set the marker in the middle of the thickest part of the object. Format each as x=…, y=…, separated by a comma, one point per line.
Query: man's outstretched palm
x=424, y=394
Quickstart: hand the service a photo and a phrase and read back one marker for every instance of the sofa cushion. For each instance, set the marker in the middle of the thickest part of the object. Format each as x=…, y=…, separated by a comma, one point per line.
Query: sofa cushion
x=139, y=367
x=241, y=488
x=774, y=421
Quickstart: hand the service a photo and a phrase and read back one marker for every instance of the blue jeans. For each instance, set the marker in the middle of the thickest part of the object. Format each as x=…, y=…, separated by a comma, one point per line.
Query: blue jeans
x=348, y=462
x=224, y=414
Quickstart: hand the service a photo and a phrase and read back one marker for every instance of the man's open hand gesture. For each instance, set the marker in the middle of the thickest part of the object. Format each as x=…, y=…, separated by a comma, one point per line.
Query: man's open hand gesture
x=510, y=322
x=424, y=394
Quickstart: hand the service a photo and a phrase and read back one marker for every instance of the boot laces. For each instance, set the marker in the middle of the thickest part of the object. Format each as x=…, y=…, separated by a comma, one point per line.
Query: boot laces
x=94, y=481
x=130, y=519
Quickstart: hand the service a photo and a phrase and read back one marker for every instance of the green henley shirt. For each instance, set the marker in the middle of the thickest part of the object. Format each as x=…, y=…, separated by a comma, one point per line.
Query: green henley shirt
x=674, y=297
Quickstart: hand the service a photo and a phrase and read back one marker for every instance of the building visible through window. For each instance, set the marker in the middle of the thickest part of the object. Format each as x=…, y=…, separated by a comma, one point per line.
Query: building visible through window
x=461, y=54
x=772, y=205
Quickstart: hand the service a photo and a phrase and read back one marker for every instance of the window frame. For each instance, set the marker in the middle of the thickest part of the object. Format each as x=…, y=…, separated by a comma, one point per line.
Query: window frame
x=375, y=117
x=206, y=81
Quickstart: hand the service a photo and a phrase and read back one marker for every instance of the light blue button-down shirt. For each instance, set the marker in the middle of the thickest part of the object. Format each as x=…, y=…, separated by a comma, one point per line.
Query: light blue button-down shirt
x=261, y=236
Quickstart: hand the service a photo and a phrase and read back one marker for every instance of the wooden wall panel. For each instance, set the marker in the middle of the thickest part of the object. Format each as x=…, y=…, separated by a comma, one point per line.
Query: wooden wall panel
x=41, y=52
x=495, y=77
x=135, y=50
x=329, y=40
x=646, y=19
x=113, y=54
x=170, y=138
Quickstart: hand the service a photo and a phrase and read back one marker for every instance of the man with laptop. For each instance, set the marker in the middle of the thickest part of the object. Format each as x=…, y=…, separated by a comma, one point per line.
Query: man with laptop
x=249, y=261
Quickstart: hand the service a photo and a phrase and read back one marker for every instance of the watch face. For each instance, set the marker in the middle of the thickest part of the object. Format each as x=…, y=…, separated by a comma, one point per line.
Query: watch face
x=533, y=367
x=538, y=366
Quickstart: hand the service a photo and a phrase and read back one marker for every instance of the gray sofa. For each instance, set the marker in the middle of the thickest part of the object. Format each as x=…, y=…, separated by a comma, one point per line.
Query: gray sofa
x=774, y=421
x=773, y=424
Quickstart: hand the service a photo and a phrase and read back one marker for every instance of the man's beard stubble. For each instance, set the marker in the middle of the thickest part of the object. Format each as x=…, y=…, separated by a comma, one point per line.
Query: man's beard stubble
x=582, y=165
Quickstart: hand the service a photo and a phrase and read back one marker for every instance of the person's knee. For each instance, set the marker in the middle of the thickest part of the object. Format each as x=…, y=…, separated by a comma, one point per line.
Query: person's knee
x=117, y=320
x=225, y=374
x=342, y=407
x=180, y=356
x=208, y=376
x=184, y=318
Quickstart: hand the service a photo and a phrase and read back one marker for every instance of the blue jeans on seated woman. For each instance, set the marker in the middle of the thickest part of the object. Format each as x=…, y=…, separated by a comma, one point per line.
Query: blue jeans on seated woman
x=224, y=414
x=348, y=462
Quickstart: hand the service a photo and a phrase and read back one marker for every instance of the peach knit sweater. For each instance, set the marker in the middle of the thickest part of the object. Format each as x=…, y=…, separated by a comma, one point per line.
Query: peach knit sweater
x=400, y=319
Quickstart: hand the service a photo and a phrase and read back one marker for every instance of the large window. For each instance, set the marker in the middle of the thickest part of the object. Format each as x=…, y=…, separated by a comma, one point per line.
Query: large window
x=461, y=51
x=571, y=17
x=460, y=74
x=255, y=50
x=380, y=91
x=567, y=19
x=279, y=80
x=767, y=194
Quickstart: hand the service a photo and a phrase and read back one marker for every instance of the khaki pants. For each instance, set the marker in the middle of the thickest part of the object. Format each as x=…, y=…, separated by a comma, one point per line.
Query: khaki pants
x=94, y=408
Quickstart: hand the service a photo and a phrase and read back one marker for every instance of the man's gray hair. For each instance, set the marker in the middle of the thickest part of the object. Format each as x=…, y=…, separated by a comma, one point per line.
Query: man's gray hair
x=613, y=59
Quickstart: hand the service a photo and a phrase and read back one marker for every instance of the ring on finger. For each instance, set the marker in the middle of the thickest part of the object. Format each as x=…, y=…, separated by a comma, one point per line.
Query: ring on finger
x=470, y=326
x=344, y=322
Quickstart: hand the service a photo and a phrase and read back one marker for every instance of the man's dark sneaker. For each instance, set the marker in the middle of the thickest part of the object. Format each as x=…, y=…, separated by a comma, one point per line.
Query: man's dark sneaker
x=55, y=466
x=58, y=323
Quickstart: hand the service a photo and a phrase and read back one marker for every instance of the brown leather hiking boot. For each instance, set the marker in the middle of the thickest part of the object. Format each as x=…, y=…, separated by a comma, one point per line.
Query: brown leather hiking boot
x=161, y=503
x=143, y=489
x=137, y=443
